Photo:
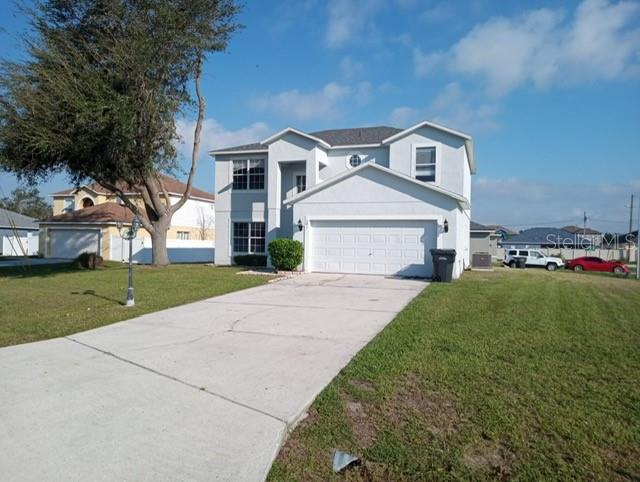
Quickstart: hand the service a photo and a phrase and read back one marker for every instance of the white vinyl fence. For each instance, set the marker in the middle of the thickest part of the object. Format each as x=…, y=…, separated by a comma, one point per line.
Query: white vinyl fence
x=24, y=245
x=180, y=250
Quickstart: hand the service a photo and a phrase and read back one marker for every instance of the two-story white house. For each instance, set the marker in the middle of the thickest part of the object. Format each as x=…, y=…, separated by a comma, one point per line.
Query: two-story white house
x=371, y=200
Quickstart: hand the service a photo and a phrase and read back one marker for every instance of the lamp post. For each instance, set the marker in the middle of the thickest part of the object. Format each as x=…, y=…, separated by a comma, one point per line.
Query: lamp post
x=129, y=234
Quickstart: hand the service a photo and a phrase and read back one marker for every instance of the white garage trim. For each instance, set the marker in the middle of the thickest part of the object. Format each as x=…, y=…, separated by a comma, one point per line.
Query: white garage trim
x=309, y=220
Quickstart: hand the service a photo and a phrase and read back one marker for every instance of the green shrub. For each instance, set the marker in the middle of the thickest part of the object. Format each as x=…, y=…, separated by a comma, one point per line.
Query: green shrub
x=286, y=254
x=255, y=260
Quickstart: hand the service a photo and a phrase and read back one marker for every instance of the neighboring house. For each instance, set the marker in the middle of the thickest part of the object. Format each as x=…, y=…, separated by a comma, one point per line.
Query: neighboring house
x=85, y=219
x=483, y=239
x=369, y=200
x=18, y=234
x=545, y=238
x=594, y=236
x=627, y=239
x=502, y=231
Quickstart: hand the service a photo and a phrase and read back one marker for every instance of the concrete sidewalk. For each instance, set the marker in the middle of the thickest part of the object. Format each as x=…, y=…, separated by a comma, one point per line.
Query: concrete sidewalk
x=205, y=391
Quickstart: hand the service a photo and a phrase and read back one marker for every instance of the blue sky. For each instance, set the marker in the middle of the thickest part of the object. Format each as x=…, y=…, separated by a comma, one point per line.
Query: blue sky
x=550, y=91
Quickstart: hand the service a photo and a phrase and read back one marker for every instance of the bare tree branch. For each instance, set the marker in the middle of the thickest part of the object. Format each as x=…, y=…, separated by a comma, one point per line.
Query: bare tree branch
x=196, y=139
x=130, y=204
x=164, y=191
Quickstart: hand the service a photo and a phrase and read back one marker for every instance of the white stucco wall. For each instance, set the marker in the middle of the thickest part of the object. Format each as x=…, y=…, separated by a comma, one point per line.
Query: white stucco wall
x=450, y=156
x=372, y=194
x=189, y=214
x=338, y=159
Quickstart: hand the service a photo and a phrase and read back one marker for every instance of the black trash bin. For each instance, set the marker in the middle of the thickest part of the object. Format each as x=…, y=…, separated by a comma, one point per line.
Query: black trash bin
x=443, y=260
x=521, y=262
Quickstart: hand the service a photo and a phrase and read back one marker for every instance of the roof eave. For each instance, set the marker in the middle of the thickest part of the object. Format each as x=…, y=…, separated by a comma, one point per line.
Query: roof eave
x=239, y=152
x=278, y=135
x=372, y=165
x=468, y=141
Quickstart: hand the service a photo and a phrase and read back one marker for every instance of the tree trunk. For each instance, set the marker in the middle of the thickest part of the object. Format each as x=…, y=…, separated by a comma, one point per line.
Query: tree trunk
x=159, y=253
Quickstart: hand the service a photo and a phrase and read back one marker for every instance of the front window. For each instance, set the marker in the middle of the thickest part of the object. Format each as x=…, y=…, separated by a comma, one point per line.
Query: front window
x=183, y=235
x=426, y=164
x=68, y=204
x=301, y=183
x=248, y=237
x=248, y=174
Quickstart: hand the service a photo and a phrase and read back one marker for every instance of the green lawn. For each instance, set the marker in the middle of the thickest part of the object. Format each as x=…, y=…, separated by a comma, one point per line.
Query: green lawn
x=49, y=301
x=510, y=374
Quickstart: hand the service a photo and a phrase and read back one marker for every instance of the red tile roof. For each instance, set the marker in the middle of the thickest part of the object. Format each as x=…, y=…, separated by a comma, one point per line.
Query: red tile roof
x=101, y=213
x=172, y=185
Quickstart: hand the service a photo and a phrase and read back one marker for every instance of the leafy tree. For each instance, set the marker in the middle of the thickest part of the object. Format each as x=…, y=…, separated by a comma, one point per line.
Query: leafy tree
x=27, y=201
x=99, y=93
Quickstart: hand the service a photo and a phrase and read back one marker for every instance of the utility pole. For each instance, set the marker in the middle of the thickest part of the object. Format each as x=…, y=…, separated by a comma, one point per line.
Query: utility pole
x=584, y=230
x=638, y=247
x=630, y=225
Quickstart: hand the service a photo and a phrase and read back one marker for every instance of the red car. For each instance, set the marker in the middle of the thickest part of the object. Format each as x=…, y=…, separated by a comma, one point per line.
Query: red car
x=592, y=263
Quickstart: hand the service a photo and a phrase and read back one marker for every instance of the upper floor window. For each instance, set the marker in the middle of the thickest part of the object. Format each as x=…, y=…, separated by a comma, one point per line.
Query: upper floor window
x=248, y=174
x=183, y=235
x=68, y=204
x=301, y=183
x=426, y=164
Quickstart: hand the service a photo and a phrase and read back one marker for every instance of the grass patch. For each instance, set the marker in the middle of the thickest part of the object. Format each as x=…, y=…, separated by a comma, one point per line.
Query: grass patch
x=508, y=374
x=48, y=301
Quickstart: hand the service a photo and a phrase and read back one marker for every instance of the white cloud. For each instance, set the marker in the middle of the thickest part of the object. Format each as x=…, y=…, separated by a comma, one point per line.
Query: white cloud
x=451, y=107
x=350, y=20
x=215, y=136
x=404, y=116
x=425, y=64
x=362, y=94
x=351, y=69
x=322, y=104
x=516, y=202
x=545, y=47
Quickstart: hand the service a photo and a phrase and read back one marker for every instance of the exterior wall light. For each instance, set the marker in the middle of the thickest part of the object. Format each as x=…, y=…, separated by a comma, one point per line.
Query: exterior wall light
x=446, y=226
x=300, y=226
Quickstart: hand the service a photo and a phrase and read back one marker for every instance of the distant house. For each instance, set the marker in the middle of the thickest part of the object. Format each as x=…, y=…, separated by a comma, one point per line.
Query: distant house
x=502, y=231
x=546, y=238
x=628, y=239
x=484, y=239
x=587, y=233
x=86, y=219
x=18, y=234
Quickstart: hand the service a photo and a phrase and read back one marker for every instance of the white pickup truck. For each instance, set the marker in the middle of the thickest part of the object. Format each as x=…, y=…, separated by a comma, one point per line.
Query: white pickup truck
x=535, y=258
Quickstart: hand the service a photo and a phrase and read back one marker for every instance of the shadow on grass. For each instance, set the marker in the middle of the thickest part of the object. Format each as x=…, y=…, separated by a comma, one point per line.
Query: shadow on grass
x=96, y=295
x=44, y=270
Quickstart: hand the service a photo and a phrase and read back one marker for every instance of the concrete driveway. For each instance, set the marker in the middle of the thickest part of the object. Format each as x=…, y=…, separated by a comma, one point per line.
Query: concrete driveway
x=205, y=391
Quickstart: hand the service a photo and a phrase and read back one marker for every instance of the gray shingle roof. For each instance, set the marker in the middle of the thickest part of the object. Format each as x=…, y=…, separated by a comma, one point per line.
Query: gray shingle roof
x=9, y=218
x=479, y=227
x=579, y=230
x=358, y=135
x=546, y=237
x=336, y=137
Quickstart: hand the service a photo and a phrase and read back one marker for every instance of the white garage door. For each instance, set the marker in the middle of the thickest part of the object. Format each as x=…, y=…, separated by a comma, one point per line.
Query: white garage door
x=69, y=243
x=373, y=247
